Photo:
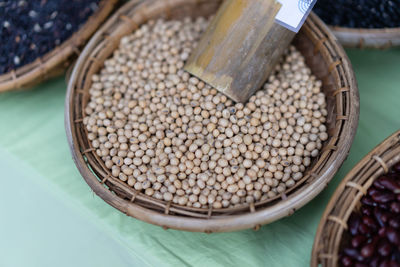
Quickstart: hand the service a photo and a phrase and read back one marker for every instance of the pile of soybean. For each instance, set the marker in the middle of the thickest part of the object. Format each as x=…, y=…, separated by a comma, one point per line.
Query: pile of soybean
x=30, y=29
x=360, y=13
x=174, y=138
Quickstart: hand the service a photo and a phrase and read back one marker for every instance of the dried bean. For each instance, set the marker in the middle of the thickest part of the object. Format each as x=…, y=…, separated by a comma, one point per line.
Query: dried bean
x=30, y=29
x=384, y=248
x=358, y=241
x=375, y=235
x=360, y=13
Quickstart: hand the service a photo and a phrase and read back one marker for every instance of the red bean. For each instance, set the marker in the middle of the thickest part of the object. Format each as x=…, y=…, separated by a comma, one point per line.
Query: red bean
x=375, y=229
x=354, y=223
x=368, y=201
x=384, y=248
x=395, y=207
x=353, y=253
x=396, y=168
x=358, y=241
x=394, y=264
x=393, y=236
x=382, y=232
x=378, y=184
x=347, y=261
x=394, y=222
x=378, y=215
x=390, y=184
x=369, y=222
x=383, y=197
x=374, y=262
x=364, y=229
x=385, y=263
x=368, y=250
x=367, y=211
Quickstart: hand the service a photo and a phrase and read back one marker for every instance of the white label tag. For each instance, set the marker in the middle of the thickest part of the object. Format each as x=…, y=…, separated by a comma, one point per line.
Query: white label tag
x=293, y=13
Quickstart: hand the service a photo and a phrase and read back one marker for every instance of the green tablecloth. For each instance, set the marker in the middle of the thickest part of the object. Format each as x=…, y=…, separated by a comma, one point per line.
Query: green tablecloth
x=50, y=217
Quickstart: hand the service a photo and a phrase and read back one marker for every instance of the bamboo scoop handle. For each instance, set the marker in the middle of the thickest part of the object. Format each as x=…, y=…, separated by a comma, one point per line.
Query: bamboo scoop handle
x=240, y=48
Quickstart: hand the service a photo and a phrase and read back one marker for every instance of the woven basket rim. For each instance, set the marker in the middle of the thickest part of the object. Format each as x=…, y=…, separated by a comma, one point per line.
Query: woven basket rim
x=382, y=38
x=367, y=30
x=207, y=223
x=48, y=65
x=382, y=157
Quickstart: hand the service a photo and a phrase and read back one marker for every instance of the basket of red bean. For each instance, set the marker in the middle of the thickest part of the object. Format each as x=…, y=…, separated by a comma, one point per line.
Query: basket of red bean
x=40, y=38
x=362, y=24
x=361, y=225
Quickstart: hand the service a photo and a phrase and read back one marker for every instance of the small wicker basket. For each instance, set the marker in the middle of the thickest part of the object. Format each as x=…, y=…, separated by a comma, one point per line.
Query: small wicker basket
x=323, y=55
x=347, y=197
x=56, y=61
x=367, y=38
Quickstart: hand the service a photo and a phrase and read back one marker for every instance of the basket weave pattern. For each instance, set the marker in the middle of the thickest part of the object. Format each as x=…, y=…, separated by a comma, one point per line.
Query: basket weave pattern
x=347, y=198
x=56, y=61
x=323, y=55
x=368, y=38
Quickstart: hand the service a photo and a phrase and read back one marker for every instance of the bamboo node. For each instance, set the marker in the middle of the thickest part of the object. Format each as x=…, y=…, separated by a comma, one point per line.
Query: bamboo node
x=338, y=220
x=381, y=162
x=357, y=186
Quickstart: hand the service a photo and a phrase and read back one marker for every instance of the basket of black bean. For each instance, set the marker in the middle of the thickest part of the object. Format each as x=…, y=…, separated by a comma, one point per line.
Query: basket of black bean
x=362, y=24
x=164, y=147
x=39, y=38
x=361, y=224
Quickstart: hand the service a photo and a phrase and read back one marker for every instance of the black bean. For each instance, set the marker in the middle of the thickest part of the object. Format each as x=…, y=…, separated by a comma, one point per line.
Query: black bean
x=360, y=13
x=30, y=29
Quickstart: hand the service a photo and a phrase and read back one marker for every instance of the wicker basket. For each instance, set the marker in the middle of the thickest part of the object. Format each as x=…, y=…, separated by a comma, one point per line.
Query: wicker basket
x=347, y=197
x=323, y=54
x=367, y=38
x=56, y=61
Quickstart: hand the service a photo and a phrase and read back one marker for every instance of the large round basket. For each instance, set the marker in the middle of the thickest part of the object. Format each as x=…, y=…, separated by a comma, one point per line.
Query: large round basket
x=57, y=60
x=325, y=57
x=367, y=38
x=347, y=197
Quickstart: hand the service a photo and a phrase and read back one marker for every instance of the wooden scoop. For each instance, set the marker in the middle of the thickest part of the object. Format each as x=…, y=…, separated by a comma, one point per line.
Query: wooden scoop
x=240, y=48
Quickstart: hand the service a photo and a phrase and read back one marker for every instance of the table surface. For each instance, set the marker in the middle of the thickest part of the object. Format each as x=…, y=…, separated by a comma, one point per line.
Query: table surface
x=50, y=217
